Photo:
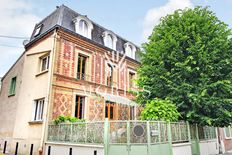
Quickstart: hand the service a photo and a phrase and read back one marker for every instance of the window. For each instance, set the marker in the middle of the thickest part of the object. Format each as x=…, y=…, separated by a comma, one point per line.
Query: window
x=12, y=86
x=44, y=63
x=38, y=110
x=109, y=110
x=228, y=134
x=37, y=30
x=132, y=112
x=83, y=27
x=131, y=79
x=81, y=67
x=130, y=50
x=109, y=75
x=110, y=39
x=80, y=107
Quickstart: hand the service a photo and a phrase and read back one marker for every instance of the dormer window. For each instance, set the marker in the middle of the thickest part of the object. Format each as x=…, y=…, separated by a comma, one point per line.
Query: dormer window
x=110, y=40
x=37, y=30
x=130, y=50
x=83, y=26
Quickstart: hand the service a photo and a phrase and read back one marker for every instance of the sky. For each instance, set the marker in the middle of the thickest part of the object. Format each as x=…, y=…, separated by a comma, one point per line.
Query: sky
x=131, y=19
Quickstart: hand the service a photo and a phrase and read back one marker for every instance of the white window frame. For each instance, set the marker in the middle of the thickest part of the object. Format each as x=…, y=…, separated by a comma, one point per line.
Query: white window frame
x=230, y=131
x=130, y=50
x=47, y=57
x=38, y=110
x=106, y=35
x=77, y=21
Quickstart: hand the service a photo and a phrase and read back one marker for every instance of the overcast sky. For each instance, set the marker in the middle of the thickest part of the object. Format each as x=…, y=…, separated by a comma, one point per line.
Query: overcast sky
x=131, y=19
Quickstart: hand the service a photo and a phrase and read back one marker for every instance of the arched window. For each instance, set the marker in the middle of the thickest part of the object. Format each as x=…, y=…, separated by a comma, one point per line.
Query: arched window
x=130, y=50
x=83, y=28
x=109, y=41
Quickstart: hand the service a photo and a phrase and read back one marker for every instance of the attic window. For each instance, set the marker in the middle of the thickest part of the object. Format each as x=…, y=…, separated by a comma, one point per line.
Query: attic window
x=130, y=50
x=83, y=26
x=38, y=30
x=110, y=40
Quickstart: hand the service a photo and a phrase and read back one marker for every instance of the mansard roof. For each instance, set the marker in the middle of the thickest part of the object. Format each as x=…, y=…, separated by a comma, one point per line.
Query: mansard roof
x=63, y=17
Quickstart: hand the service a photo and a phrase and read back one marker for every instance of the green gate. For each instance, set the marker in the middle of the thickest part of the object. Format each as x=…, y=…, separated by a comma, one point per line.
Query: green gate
x=194, y=140
x=138, y=138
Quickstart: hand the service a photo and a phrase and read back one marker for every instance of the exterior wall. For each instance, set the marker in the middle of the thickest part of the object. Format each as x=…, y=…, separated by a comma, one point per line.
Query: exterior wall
x=209, y=147
x=66, y=85
x=184, y=148
x=226, y=143
x=61, y=149
x=18, y=110
x=8, y=103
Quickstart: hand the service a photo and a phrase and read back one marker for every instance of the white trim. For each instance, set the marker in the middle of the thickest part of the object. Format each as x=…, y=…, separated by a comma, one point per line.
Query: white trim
x=89, y=25
x=105, y=37
x=130, y=53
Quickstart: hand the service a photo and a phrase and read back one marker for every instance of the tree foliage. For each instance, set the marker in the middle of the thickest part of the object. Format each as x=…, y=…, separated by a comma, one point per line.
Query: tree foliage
x=158, y=109
x=188, y=59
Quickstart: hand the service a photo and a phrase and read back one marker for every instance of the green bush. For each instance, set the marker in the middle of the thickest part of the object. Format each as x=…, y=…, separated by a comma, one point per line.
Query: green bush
x=158, y=109
x=68, y=119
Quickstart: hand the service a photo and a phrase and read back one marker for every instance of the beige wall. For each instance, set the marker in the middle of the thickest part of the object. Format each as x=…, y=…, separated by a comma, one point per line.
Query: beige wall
x=17, y=111
x=8, y=104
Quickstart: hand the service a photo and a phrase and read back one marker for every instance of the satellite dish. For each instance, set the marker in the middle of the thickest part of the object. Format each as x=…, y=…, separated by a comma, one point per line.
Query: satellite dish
x=138, y=131
x=25, y=42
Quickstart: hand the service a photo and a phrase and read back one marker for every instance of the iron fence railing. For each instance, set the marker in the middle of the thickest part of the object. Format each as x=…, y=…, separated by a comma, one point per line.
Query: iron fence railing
x=81, y=132
x=124, y=132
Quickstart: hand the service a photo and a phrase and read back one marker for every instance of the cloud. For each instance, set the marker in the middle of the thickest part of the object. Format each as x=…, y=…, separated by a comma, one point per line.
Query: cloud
x=17, y=19
x=153, y=15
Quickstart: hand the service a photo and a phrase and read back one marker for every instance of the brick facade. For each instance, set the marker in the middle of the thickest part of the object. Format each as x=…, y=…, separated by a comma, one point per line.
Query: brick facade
x=66, y=86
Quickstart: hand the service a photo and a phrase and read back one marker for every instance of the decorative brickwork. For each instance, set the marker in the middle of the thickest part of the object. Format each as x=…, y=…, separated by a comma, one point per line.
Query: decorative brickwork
x=62, y=104
x=96, y=109
x=66, y=58
x=123, y=112
x=67, y=85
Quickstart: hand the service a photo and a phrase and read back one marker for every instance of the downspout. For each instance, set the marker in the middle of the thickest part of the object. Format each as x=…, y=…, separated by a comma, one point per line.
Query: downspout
x=48, y=97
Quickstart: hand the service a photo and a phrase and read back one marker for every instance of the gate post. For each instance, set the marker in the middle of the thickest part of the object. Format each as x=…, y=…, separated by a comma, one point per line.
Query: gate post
x=189, y=132
x=148, y=139
x=170, y=138
x=197, y=141
x=106, y=137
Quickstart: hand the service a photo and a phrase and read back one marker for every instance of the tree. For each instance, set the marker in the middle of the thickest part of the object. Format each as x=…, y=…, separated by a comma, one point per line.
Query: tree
x=188, y=60
x=158, y=109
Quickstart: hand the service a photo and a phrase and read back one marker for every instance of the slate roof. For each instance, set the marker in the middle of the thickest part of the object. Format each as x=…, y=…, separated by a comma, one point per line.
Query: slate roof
x=63, y=17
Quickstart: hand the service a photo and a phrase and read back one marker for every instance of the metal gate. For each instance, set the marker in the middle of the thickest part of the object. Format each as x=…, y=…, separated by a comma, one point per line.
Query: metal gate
x=138, y=138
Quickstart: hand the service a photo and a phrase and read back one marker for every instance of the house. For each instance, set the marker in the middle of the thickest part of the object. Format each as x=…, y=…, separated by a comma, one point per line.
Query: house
x=70, y=66
x=225, y=138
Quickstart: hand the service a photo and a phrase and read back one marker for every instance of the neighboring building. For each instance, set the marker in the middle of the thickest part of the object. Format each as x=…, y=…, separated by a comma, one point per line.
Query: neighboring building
x=71, y=66
x=225, y=137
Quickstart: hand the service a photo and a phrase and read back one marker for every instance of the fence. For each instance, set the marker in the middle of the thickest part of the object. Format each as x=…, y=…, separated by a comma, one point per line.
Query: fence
x=120, y=132
x=132, y=137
